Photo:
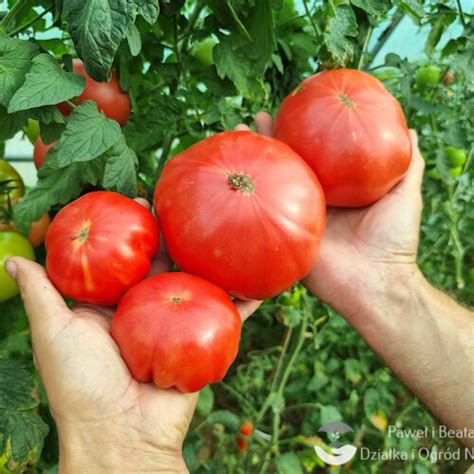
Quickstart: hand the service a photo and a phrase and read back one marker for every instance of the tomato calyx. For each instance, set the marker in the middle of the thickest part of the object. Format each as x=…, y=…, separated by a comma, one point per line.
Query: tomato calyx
x=346, y=101
x=176, y=299
x=241, y=182
x=83, y=233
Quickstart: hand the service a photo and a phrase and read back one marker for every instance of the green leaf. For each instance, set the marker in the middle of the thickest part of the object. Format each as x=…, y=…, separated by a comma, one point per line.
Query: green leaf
x=226, y=418
x=47, y=114
x=288, y=463
x=16, y=386
x=22, y=436
x=205, y=402
x=373, y=7
x=57, y=188
x=340, y=27
x=87, y=135
x=51, y=132
x=97, y=28
x=120, y=173
x=46, y=83
x=134, y=40
x=15, y=61
x=148, y=9
x=329, y=414
x=10, y=124
x=442, y=22
x=413, y=7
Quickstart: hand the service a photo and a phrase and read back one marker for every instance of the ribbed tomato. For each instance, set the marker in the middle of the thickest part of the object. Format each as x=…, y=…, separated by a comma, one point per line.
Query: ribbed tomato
x=108, y=96
x=40, y=151
x=99, y=246
x=243, y=211
x=351, y=131
x=177, y=330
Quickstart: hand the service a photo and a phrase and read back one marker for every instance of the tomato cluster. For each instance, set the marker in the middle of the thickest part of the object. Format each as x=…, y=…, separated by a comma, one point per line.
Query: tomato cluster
x=240, y=213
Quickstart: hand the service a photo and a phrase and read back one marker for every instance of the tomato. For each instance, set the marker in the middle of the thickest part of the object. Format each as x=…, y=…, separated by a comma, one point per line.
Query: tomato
x=242, y=444
x=11, y=184
x=246, y=429
x=456, y=171
x=177, y=330
x=37, y=231
x=243, y=211
x=32, y=130
x=456, y=156
x=99, y=246
x=40, y=151
x=12, y=244
x=448, y=78
x=427, y=76
x=351, y=131
x=108, y=96
x=202, y=51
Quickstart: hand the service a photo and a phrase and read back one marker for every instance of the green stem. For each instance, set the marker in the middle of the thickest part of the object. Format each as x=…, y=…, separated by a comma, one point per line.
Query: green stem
x=31, y=22
x=461, y=13
x=385, y=35
x=238, y=21
x=364, y=48
x=11, y=15
x=239, y=397
x=317, y=32
x=192, y=23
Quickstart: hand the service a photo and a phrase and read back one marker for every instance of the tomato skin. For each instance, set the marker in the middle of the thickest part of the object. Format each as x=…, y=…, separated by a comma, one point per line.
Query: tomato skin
x=8, y=173
x=12, y=244
x=456, y=156
x=351, y=131
x=253, y=245
x=427, y=76
x=177, y=330
x=99, y=246
x=108, y=96
x=242, y=444
x=40, y=151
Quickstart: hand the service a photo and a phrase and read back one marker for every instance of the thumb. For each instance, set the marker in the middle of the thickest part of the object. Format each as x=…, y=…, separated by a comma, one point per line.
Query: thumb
x=46, y=309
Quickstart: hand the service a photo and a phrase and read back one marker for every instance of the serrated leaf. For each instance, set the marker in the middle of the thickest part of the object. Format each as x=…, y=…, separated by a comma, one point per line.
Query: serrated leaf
x=97, y=28
x=134, y=40
x=340, y=27
x=16, y=386
x=120, y=172
x=46, y=83
x=47, y=114
x=22, y=436
x=15, y=61
x=373, y=7
x=51, y=132
x=10, y=124
x=288, y=463
x=87, y=135
x=58, y=188
x=148, y=9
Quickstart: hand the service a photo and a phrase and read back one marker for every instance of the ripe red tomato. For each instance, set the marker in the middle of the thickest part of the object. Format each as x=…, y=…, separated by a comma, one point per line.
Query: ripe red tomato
x=351, y=131
x=243, y=211
x=242, y=444
x=108, y=96
x=246, y=429
x=99, y=246
x=178, y=330
x=40, y=151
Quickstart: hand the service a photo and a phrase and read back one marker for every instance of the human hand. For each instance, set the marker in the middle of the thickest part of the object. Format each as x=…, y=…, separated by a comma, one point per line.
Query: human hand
x=106, y=420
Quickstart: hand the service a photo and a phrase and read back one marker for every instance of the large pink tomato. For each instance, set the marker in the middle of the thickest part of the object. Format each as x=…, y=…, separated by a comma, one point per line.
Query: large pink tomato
x=243, y=211
x=351, y=131
x=99, y=246
x=177, y=330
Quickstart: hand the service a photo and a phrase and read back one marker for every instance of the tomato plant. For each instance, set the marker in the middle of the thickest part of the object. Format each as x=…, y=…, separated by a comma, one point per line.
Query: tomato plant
x=32, y=130
x=202, y=51
x=427, y=76
x=351, y=131
x=12, y=244
x=99, y=246
x=243, y=211
x=37, y=230
x=108, y=96
x=182, y=315
x=456, y=156
x=12, y=187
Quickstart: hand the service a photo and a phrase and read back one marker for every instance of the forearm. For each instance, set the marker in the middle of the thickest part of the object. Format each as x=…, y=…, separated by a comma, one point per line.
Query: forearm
x=425, y=338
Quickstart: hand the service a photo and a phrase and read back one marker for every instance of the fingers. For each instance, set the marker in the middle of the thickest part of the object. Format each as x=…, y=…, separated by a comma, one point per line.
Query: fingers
x=412, y=181
x=247, y=308
x=264, y=122
x=46, y=309
x=143, y=202
x=241, y=127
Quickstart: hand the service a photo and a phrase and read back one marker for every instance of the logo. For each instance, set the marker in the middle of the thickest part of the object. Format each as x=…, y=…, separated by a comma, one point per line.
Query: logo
x=340, y=454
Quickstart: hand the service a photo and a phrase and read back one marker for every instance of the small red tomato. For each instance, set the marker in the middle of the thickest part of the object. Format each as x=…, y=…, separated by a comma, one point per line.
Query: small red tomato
x=246, y=429
x=38, y=230
x=351, y=131
x=40, y=151
x=108, y=96
x=177, y=330
x=242, y=444
x=99, y=246
x=243, y=211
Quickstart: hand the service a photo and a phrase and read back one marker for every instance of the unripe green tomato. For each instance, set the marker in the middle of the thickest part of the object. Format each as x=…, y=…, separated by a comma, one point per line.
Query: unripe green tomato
x=12, y=244
x=427, y=76
x=202, y=51
x=455, y=172
x=456, y=156
x=10, y=178
x=32, y=130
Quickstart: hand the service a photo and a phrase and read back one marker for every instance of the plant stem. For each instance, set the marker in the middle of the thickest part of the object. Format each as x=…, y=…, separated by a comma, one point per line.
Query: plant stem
x=364, y=48
x=461, y=13
x=239, y=397
x=31, y=22
x=11, y=15
x=317, y=32
x=385, y=35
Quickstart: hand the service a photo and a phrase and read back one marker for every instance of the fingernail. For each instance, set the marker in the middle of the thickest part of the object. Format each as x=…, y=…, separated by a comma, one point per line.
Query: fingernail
x=10, y=267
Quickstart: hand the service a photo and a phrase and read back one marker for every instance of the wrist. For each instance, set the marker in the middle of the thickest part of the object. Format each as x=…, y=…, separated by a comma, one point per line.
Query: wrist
x=110, y=449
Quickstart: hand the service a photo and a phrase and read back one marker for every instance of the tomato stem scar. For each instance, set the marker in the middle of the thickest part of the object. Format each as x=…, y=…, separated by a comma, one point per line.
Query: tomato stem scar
x=241, y=182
